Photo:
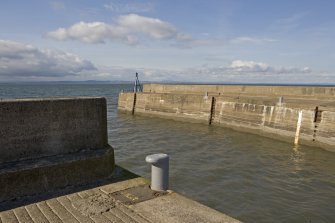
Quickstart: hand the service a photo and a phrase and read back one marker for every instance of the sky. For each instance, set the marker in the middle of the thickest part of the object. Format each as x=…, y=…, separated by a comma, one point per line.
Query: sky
x=218, y=41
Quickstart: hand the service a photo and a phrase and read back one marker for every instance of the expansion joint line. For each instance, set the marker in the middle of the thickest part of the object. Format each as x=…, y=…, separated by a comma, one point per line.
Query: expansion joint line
x=134, y=105
x=212, y=112
x=317, y=120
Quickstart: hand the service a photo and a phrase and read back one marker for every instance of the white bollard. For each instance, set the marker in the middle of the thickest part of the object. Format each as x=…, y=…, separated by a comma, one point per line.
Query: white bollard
x=281, y=101
x=206, y=95
x=159, y=171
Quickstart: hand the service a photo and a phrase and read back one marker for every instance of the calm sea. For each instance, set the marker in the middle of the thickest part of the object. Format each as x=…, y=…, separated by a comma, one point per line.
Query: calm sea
x=248, y=177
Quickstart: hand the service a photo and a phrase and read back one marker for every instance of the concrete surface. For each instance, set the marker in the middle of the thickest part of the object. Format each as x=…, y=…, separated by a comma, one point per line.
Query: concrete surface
x=193, y=108
x=51, y=143
x=56, y=166
x=101, y=205
x=38, y=176
x=33, y=128
x=258, y=114
x=296, y=91
x=126, y=102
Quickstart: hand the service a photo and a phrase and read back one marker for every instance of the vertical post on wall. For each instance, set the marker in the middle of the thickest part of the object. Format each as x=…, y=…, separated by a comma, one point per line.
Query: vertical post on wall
x=297, y=133
x=134, y=104
x=137, y=88
x=211, y=115
x=137, y=85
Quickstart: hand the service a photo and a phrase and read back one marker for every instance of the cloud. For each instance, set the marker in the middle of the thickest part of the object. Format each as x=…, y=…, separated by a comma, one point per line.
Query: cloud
x=127, y=29
x=245, y=67
x=238, y=71
x=22, y=60
x=130, y=7
x=248, y=66
x=133, y=29
x=25, y=62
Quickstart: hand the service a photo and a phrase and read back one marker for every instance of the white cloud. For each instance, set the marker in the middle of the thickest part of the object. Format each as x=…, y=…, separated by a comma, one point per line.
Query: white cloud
x=238, y=71
x=22, y=60
x=131, y=29
x=155, y=28
x=249, y=66
x=127, y=29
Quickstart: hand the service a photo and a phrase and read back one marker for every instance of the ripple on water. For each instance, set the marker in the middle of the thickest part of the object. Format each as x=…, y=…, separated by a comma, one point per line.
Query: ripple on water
x=253, y=178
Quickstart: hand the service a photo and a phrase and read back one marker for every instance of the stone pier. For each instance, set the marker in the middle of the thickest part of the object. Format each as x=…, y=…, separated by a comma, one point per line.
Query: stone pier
x=271, y=111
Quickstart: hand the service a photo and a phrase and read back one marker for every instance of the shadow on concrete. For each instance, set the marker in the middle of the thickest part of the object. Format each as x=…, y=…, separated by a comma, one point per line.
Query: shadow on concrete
x=119, y=174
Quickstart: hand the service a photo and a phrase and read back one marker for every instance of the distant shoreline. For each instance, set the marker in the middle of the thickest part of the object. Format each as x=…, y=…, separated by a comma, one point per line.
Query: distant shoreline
x=166, y=82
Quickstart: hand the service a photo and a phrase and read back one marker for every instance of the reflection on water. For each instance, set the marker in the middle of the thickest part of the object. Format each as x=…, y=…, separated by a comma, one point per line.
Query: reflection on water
x=249, y=177
x=297, y=157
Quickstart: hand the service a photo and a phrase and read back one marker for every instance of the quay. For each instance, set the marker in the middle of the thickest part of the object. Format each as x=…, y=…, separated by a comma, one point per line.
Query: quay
x=296, y=114
x=56, y=166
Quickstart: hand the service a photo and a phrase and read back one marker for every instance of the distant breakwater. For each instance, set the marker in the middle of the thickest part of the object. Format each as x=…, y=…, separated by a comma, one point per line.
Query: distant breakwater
x=301, y=115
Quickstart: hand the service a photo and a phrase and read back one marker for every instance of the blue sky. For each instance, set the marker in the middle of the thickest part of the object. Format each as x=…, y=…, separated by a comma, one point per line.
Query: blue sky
x=251, y=41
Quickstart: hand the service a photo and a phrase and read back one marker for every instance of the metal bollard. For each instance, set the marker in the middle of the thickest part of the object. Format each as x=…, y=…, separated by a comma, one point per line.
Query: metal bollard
x=159, y=171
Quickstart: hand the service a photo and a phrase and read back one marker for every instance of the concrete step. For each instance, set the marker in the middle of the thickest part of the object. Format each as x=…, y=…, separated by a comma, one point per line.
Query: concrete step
x=42, y=175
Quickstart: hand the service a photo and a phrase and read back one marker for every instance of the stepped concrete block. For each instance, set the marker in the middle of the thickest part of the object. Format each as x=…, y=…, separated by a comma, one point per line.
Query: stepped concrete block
x=33, y=128
x=31, y=177
x=52, y=143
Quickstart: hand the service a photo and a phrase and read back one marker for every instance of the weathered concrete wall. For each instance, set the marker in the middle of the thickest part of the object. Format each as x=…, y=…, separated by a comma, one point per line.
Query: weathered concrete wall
x=317, y=92
x=261, y=116
x=126, y=102
x=50, y=144
x=48, y=174
x=42, y=127
x=190, y=107
x=268, y=120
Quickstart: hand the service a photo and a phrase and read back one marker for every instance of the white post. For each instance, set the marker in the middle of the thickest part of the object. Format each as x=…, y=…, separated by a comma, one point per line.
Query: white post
x=281, y=101
x=297, y=133
x=159, y=171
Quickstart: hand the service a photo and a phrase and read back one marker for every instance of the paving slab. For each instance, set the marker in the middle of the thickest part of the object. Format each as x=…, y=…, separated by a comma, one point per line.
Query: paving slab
x=127, y=201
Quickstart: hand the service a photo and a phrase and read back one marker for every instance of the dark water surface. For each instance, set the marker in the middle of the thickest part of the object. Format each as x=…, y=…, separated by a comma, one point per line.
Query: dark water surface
x=248, y=177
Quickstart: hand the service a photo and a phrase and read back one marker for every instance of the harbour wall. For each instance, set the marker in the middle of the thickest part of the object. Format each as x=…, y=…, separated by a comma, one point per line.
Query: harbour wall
x=295, y=91
x=299, y=121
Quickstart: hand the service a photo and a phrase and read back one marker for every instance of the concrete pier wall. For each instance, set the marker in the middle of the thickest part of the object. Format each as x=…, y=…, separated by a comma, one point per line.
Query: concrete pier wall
x=260, y=115
x=175, y=106
x=308, y=91
x=49, y=144
x=41, y=127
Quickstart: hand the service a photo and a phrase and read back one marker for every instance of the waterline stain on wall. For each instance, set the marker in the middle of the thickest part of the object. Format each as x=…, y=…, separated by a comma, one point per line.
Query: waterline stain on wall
x=304, y=119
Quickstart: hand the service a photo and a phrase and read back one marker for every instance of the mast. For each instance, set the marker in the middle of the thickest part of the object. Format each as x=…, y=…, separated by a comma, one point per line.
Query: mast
x=137, y=86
